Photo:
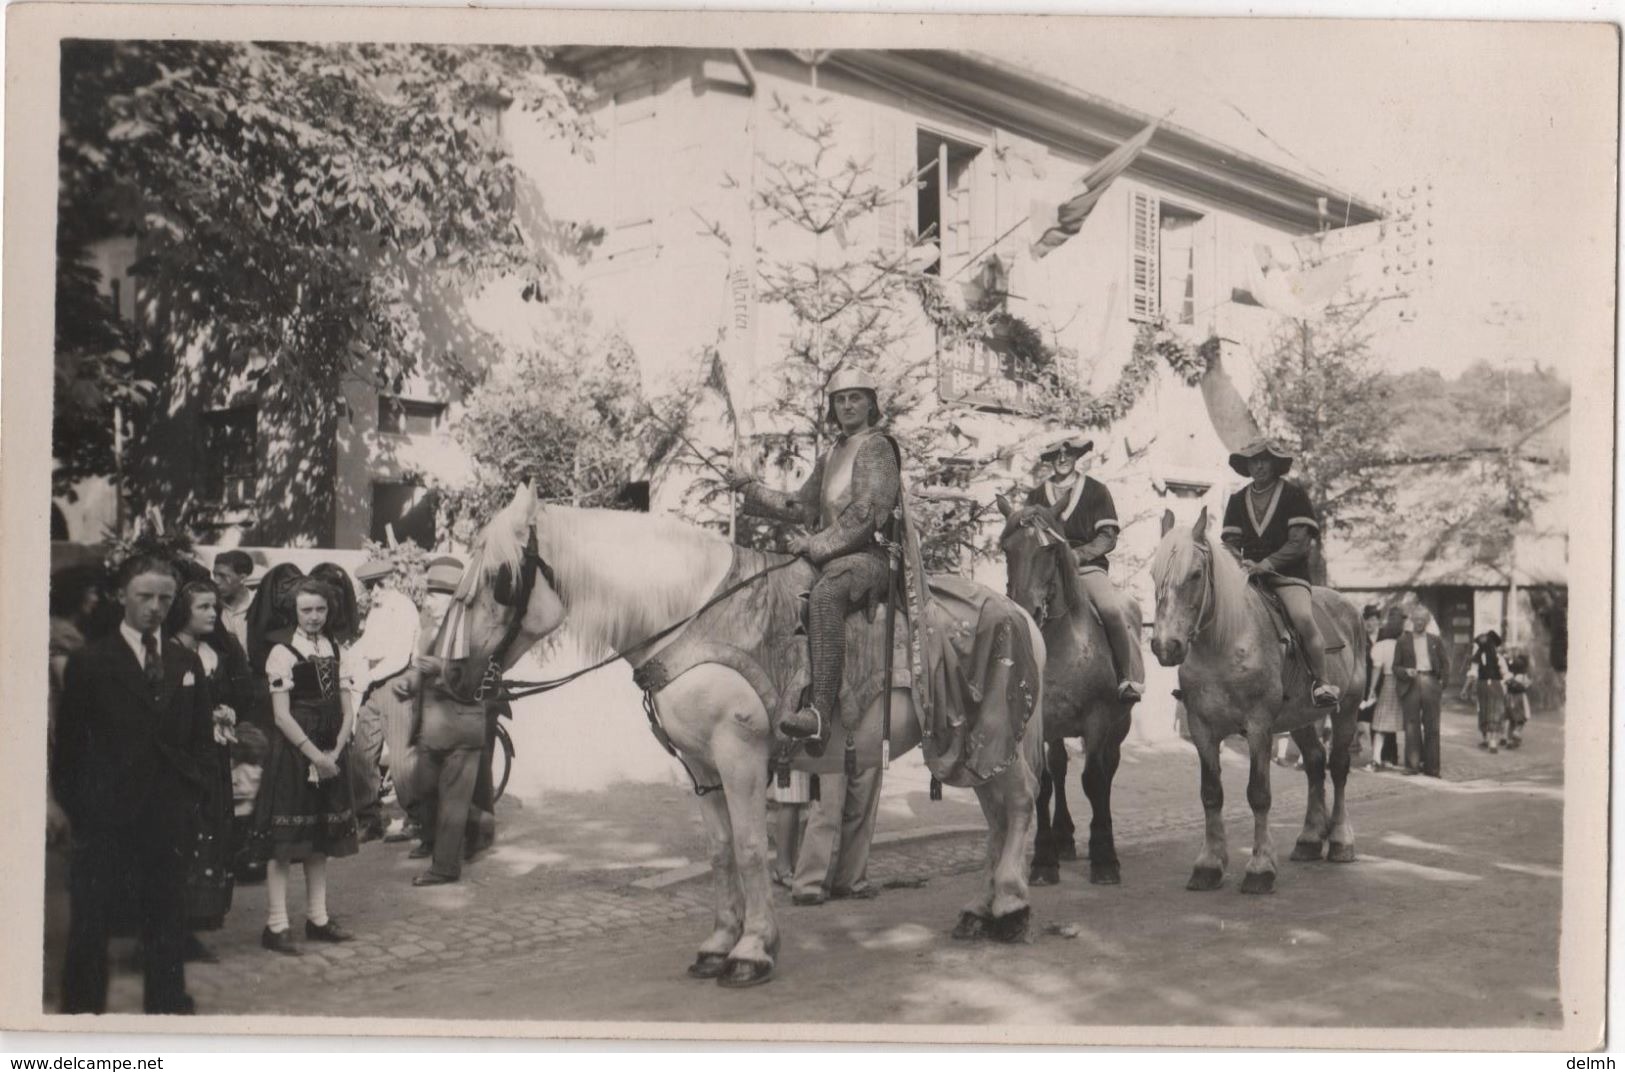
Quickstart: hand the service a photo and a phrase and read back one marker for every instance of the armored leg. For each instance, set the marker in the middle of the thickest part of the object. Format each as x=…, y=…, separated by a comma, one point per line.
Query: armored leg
x=846, y=585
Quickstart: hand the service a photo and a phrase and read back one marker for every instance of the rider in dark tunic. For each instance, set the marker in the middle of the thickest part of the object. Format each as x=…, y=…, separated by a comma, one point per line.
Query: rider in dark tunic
x=1088, y=518
x=850, y=496
x=1269, y=525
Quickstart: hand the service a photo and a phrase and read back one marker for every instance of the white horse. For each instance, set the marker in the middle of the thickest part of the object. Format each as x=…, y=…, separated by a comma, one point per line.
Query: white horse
x=619, y=578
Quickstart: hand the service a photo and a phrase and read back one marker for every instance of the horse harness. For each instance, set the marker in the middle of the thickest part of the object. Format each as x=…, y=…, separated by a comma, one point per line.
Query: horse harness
x=493, y=686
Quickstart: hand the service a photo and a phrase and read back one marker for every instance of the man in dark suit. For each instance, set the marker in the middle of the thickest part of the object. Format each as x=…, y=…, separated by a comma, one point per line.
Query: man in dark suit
x=134, y=744
x=1421, y=666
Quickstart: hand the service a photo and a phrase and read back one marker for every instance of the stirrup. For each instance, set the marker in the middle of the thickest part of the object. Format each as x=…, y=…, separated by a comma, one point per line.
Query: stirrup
x=1325, y=695
x=818, y=734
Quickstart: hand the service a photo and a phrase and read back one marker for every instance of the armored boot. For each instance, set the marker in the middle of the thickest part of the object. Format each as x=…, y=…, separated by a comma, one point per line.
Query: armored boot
x=826, y=636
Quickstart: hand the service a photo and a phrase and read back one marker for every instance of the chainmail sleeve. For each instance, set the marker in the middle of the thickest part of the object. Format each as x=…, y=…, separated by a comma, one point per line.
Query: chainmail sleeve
x=876, y=484
x=797, y=507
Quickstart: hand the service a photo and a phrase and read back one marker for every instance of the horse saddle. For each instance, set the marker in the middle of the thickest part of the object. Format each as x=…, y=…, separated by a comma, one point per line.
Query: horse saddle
x=1282, y=621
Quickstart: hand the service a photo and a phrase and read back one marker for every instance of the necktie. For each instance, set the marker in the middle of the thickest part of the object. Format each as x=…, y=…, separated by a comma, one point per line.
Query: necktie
x=152, y=664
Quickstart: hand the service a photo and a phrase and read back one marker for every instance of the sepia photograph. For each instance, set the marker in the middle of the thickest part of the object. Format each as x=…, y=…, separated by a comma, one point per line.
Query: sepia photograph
x=842, y=527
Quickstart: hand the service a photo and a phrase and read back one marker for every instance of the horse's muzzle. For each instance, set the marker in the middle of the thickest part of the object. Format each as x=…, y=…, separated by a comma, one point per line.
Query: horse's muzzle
x=1170, y=652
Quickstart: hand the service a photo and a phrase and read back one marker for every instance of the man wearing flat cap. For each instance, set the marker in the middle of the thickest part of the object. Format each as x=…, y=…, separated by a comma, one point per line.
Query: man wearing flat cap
x=449, y=733
x=1088, y=518
x=1269, y=525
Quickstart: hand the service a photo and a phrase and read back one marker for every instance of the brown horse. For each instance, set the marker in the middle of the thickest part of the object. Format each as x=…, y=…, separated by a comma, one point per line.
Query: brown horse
x=623, y=578
x=1235, y=678
x=1080, y=692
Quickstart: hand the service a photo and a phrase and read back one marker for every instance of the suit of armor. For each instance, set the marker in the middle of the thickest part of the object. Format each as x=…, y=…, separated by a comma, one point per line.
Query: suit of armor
x=850, y=497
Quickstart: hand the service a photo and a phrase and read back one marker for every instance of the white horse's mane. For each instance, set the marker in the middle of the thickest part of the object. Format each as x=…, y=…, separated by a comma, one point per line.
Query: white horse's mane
x=621, y=575
x=1179, y=553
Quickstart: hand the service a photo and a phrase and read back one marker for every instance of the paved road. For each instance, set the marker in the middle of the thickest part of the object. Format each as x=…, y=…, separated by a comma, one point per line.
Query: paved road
x=1450, y=917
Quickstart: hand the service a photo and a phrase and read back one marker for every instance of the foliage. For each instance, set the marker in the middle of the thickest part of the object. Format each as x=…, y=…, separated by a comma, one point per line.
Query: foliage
x=293, y=203
x=848, y=306
x=1321, y=394
x=1474, y=410
x=569, y=415
x=411, y=572
x=150, y=536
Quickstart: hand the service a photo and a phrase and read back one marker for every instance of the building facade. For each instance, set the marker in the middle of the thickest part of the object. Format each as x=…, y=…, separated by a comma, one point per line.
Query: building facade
x=979, y=151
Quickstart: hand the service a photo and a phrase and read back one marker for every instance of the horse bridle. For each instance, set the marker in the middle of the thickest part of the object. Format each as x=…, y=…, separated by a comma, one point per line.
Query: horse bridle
x=1209, y=595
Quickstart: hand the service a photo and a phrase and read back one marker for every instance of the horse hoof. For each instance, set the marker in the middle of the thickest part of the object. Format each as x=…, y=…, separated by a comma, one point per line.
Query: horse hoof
x=1307, y=850
x=1105, y=873
x=1258, y=882
x=1205, y=878
x=739, y=974
x=1011, y=928
x=708, y=965
x=971, y=927
x=1066, y=851
x=1341, y=853
x=1044, y=875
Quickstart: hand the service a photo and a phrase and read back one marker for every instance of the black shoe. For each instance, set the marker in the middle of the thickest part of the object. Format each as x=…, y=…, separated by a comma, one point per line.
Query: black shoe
x=1325, y=695
x=804, y=724
x=279, y=942
x=1130, y=692
x=327, y=932
x=430, y=878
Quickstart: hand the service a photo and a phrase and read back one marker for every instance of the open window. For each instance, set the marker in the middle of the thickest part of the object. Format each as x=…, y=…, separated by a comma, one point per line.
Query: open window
x=230, y=448
x=1162, y=260
x=946, y=197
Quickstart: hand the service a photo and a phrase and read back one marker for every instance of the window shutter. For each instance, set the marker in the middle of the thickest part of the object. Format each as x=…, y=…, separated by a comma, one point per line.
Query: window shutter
x=897, y=208
x=1144, y=242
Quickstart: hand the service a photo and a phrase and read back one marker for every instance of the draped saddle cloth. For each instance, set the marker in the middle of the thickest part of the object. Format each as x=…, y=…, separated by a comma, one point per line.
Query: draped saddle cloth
x=972, y=670
x=1293, y=668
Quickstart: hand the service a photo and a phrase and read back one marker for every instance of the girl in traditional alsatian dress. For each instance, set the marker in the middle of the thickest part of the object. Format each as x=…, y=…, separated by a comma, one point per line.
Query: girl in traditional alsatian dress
x=304, y=812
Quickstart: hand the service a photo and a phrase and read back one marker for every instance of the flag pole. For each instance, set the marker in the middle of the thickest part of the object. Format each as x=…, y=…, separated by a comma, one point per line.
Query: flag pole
x=991, y=245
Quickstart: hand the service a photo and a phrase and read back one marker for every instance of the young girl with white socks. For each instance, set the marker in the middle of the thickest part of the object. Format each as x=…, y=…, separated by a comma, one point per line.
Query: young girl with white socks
x=304, y=812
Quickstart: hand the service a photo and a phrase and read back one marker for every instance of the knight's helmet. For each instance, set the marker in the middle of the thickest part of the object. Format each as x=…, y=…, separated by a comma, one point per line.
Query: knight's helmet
x=851, y=379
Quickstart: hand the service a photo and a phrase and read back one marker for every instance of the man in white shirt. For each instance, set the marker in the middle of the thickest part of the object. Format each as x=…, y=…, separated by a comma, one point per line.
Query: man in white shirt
x=231, y=572
x=383, y=652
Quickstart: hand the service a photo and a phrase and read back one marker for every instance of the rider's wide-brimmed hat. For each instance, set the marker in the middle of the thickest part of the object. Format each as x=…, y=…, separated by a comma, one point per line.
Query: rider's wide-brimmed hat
x=445, y=573
x=1075, y=445
x=852, y=380
x=1239, y=460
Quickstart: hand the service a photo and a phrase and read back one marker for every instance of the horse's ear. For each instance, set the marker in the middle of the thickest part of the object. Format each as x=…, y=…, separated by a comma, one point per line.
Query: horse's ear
x=1199, y=530
x=1167, y=521
x=524, y=501
x=1004, y=504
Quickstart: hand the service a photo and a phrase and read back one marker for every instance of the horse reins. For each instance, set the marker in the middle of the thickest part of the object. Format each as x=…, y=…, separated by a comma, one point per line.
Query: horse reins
x=532, y=564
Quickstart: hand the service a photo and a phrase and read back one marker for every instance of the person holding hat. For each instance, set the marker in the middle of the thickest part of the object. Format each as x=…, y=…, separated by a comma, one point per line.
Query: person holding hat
x=1269, y=524
x=389, y=637
x=1087, y=516
x=851, y=494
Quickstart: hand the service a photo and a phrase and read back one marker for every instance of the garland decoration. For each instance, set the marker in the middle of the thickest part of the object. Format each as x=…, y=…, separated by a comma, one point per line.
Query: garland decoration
x=1040, y=365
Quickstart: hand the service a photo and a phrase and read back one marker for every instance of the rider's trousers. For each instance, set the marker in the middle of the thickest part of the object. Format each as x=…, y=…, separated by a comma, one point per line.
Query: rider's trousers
x=1124, y=644
x=1300, y=608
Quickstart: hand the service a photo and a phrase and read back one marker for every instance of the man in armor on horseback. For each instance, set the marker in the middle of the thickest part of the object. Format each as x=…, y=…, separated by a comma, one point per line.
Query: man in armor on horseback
x=1088, y=519
x=1269, y=525
x=852, y=493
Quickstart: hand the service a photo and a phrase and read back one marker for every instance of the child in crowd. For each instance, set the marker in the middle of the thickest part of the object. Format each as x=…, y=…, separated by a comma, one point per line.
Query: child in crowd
x=304, y=812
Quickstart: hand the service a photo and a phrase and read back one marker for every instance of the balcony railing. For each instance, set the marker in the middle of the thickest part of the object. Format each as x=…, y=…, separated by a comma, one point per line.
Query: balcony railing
x=972, y=374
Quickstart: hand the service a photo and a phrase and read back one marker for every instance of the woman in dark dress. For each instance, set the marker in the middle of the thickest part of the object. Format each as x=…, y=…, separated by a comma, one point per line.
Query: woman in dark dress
x=195, y=622
x=304, y=811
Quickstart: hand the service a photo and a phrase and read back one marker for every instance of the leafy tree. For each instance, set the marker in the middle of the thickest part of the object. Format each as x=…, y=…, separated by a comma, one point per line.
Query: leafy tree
x=305, y=205
x=1320, y=392
x=850, y=306
x=569, y=414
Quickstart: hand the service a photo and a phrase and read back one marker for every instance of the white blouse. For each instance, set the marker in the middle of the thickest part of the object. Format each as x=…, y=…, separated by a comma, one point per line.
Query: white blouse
x=280, y=663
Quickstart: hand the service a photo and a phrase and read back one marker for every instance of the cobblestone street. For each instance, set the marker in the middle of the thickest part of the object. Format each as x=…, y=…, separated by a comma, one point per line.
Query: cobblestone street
x=592, y=904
